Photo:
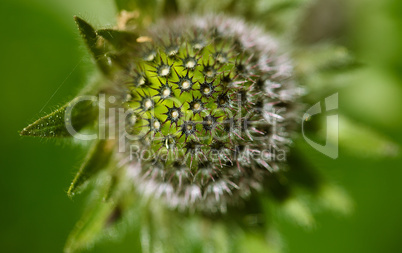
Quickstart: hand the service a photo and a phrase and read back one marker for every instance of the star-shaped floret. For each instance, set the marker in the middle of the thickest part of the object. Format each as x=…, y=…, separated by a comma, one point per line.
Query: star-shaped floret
x=173, y=114
x=196, y=105
x=185, y=83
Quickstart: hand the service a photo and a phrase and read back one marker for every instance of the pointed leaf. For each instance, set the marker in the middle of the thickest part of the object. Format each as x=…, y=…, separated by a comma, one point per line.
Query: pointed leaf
x=336, y=199
x=362, y=140
x=298, y=211
x=118, y=39
x=56, y=124
x=104, y=219
x=113, y=188
x=91, y=226
x=91, y=39
x=97, y=159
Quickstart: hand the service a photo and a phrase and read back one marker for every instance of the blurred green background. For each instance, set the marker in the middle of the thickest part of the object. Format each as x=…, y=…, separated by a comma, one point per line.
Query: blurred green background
x=43, y=63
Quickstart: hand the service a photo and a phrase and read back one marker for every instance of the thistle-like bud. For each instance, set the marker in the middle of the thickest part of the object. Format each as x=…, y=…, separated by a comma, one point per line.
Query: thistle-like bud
x=210, y=108
x=213, y=102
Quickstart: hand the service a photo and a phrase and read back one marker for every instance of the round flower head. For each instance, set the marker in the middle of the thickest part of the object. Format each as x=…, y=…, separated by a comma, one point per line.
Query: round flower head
x=194, y=118
x=214, y=111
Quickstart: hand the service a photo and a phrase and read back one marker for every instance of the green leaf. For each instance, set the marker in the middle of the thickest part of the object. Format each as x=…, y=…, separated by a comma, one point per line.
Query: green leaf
x=75, y=115
x=97, y=159
x=91, y=39
x=91, y=226
x=105, y=219
x=119, y=39
x=334, y=198
x=363, y=140
x=297, y=210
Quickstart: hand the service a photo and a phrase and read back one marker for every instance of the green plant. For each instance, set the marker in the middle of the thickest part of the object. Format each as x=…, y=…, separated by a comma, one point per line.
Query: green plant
x=194, y=89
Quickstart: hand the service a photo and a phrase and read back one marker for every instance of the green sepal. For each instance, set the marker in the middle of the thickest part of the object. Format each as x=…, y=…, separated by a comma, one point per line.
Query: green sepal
x=55, y=124
x=119, y=39
x=91, y=39
x=90, y=228
x=97, y=159
x=105, y=218
x=113, y=188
